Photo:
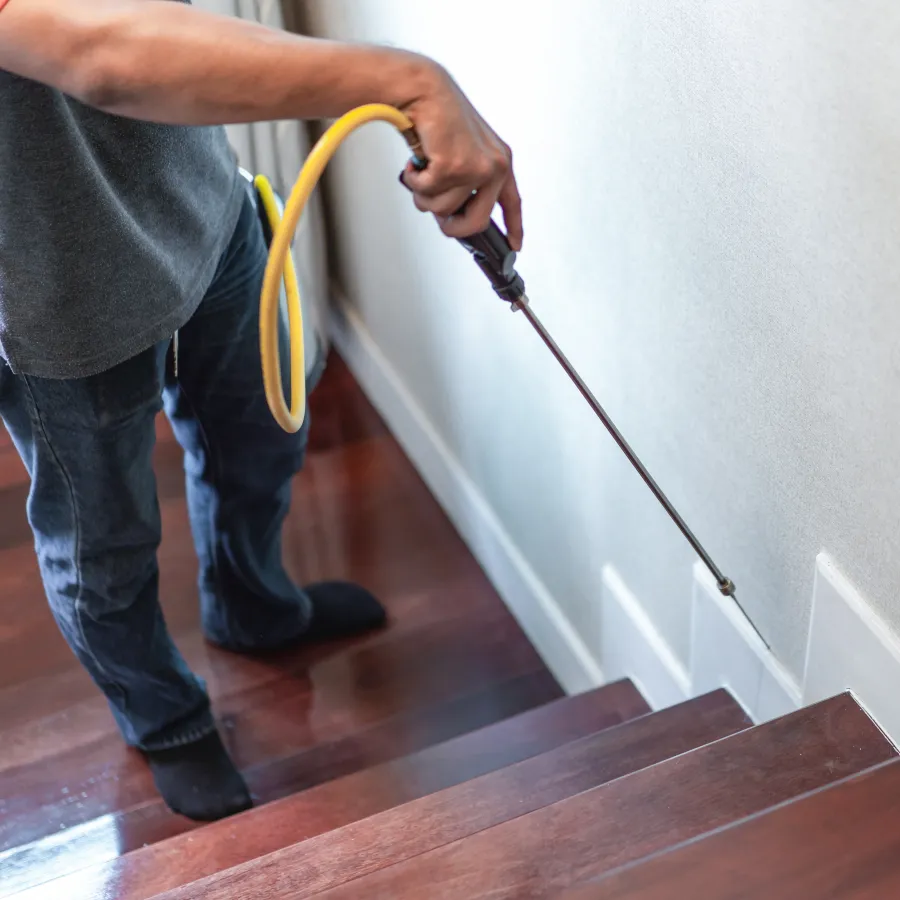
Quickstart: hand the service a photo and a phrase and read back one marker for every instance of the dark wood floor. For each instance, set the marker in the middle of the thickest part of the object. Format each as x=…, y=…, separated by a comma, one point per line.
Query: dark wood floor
x=72, y=795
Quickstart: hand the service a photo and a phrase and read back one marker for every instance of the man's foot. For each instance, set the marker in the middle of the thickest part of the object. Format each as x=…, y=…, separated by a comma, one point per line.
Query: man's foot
x=199, y=779
x=341, y=609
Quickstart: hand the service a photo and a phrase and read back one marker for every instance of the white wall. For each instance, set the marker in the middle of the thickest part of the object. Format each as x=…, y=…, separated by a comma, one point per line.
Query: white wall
x=712, y=224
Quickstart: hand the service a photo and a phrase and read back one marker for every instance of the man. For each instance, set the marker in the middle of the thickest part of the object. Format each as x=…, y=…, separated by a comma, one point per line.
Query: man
x=123, y=220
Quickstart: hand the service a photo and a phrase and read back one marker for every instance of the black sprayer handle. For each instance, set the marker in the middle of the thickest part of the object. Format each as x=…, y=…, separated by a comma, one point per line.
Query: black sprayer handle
x=491, y=251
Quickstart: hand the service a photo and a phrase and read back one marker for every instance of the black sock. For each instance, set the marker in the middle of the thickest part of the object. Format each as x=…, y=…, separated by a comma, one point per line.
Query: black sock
x=341, y=609
x=199, y=779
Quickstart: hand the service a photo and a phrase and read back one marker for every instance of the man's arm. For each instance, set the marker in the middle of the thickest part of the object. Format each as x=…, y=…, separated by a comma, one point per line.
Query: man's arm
x=173, y=63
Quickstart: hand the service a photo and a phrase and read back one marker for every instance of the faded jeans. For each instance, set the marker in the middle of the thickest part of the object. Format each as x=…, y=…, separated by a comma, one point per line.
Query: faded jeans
x=87, y=444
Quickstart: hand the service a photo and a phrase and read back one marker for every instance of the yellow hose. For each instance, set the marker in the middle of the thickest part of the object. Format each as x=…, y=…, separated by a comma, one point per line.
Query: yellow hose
x=280, y=266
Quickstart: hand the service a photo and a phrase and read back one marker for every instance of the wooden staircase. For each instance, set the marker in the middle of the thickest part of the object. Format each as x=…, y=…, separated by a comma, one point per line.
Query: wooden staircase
x=586, y=793
x=438, y=759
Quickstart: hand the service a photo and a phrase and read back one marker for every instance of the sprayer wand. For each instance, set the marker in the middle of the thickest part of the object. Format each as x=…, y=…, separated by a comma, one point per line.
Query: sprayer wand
x=490, y=250
x=497, y=260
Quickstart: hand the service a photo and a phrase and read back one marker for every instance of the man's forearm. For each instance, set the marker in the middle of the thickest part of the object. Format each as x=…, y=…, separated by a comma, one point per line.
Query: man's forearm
x=168, y=62
x=173, y=63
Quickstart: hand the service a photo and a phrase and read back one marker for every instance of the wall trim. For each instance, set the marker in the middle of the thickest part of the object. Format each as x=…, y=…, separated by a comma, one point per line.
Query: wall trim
x=727, y=651
x=631, y=646
x=527, y=597
x=851, y=648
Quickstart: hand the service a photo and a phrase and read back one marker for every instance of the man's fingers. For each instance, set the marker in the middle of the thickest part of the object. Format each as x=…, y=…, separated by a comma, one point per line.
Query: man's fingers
x=511, y=203
x=434, y=180
x=476, y=216
x=462, y=196
x=450, y=203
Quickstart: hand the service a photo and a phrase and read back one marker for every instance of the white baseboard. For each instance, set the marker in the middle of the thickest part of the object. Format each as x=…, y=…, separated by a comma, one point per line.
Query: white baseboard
x=631, y=647
x=527, y=597
x=851, y=648
x=726, y=651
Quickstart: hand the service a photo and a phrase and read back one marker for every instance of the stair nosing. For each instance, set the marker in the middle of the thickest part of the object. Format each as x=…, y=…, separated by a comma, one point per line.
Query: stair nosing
x=664, y=851
x=508, y=723
x=745, y=820
x=684, y=706
x=241, y=820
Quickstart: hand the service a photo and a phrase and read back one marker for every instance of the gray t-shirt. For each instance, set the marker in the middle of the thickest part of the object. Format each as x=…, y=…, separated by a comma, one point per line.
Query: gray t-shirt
x=110, y=229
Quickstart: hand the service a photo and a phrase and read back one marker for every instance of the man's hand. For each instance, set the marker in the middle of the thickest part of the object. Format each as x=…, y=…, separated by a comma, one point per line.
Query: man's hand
x=173, y=63
x=464, y=156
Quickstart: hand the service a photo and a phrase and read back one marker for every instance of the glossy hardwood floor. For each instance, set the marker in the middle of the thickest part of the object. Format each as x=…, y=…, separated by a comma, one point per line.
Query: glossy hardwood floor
x=182, y=860
x=452, y=660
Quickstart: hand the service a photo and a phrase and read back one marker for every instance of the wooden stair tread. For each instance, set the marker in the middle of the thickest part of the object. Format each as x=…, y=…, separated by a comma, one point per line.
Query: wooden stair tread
x=840, y=842
x=340, y=694
x=89, y=846
x=323, y=862
x=265, y=829
x=587, y=835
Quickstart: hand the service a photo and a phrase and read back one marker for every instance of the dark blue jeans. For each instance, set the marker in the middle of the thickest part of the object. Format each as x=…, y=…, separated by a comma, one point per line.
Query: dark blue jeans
x=87, y=444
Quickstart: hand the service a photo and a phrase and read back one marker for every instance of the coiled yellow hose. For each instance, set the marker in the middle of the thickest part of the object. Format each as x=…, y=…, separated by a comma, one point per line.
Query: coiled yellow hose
x=280, y=267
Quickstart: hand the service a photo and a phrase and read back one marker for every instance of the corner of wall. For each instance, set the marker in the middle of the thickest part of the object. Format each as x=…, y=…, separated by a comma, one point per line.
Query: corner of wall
x=726, y=651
